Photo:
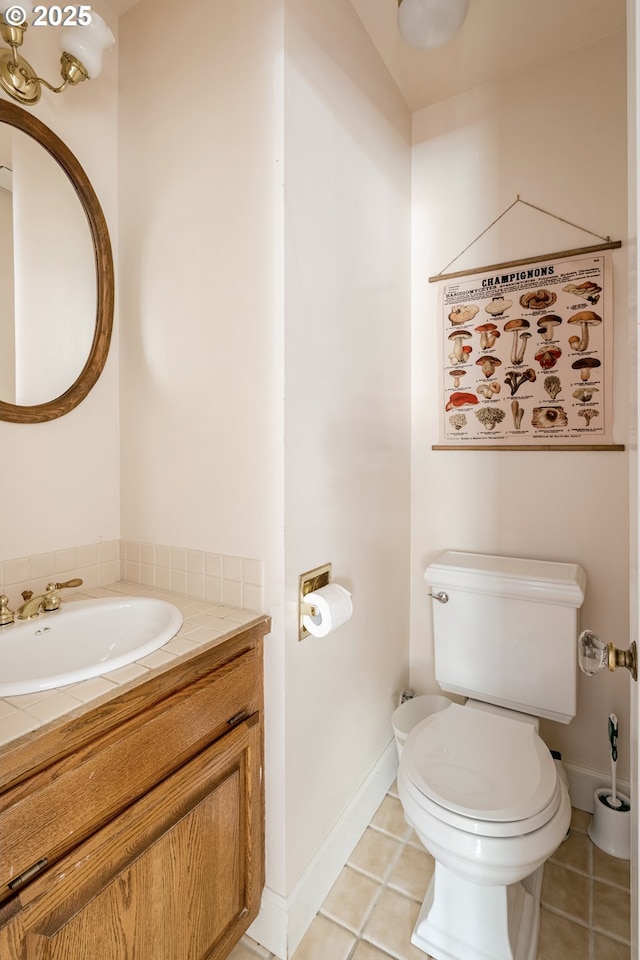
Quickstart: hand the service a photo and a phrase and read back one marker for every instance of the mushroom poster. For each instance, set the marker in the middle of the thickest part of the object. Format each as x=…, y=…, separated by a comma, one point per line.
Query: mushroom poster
x=527, y=354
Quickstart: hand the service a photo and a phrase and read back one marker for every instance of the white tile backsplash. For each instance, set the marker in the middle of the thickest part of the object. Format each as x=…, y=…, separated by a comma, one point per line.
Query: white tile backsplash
x=213, y=565
x=148, y=553
x=66, y=560
x=108, y=551
x=16, y=571
x=163, y=556
x=232, y=568
x=178, y=558
x=217, y=578
x=195, y=561
x=88, y=555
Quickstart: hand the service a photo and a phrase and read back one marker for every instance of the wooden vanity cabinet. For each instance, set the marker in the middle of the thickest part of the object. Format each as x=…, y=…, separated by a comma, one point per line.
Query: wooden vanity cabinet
x=141, y=865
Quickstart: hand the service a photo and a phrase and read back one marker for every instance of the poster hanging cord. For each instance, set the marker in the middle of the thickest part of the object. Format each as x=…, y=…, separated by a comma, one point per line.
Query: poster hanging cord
x=504, y=213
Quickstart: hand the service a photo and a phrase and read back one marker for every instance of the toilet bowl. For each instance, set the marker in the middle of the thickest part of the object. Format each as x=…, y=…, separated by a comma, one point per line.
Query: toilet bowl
x=476, y=782
x=484, y=796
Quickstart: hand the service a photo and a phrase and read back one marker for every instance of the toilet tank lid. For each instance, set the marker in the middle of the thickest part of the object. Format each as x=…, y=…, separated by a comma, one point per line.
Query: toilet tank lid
x=544, y=581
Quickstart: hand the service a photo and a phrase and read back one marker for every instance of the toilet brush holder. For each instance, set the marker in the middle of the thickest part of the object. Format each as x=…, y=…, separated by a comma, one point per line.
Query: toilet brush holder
x=610, y=828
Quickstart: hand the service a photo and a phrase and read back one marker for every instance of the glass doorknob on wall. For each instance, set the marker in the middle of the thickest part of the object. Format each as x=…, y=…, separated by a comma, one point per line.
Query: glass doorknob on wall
x=594, y=655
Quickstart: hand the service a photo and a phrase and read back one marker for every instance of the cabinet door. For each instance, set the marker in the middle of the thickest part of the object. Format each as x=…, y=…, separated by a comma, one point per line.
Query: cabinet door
x=178, y=876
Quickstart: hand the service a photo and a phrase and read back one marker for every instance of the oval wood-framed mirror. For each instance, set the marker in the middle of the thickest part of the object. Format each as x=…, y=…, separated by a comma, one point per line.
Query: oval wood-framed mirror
x=104, y=287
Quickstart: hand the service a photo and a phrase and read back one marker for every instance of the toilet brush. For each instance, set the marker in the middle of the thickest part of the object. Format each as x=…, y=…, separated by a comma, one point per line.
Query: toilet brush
x=610, y=826
x=612, y=800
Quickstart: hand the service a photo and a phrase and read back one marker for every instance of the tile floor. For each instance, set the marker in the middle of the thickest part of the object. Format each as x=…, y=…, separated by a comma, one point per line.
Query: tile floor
x=371, y=910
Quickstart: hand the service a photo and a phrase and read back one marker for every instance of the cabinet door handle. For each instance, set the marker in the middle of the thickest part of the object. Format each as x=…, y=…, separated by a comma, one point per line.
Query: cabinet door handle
x=237, y=717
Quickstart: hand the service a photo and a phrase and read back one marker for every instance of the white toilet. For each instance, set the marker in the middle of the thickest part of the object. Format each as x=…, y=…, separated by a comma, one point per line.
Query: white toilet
x=476, y=782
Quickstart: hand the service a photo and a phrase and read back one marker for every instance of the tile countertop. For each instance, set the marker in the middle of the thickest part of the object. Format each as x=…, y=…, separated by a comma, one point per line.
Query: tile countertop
x=204, y=624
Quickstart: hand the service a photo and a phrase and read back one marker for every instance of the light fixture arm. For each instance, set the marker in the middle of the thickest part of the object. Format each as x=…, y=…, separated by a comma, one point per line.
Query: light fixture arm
x=72, y=72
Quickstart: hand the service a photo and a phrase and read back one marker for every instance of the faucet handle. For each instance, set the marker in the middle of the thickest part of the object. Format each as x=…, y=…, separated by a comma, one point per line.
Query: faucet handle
x=52, y=598
x=6, y=615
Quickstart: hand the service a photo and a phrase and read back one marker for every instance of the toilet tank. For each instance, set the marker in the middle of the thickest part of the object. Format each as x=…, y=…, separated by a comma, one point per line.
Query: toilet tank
x=508, y=632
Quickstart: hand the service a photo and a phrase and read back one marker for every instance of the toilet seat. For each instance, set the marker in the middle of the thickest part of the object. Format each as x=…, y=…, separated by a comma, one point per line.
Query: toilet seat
x=481, y=772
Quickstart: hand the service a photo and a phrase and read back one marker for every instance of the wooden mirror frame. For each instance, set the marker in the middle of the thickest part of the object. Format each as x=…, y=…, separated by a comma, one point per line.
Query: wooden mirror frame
x=40, y=412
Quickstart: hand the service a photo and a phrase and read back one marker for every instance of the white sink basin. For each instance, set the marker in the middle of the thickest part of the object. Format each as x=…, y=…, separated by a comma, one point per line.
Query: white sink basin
x=83, y=639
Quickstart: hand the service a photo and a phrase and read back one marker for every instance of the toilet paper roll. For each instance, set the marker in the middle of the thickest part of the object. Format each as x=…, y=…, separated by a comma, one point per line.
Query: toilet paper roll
x=333, y=608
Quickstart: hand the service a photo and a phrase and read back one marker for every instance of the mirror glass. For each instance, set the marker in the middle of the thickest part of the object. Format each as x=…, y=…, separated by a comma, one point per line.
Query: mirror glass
x=56, y=274
x=47, y=274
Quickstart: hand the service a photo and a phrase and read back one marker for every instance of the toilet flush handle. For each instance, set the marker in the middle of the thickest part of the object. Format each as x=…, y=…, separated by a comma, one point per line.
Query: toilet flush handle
x=441, y=597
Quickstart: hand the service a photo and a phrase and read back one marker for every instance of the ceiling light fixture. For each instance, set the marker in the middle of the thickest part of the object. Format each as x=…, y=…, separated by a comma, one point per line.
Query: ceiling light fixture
x=83, y=42
x=430, y=23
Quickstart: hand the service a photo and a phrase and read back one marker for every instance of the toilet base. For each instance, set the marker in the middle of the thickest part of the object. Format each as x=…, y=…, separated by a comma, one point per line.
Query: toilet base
x=467, y=921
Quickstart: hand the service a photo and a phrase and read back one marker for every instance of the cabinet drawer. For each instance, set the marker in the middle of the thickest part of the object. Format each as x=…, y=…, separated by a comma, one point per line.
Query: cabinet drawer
x=65, y=803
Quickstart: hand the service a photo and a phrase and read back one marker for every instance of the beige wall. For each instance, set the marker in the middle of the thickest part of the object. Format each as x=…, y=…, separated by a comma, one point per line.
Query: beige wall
x=200, y=172
x=59, y=483
x=347, y=399
x=210, y=309
x=532, y=136
x=201, y=301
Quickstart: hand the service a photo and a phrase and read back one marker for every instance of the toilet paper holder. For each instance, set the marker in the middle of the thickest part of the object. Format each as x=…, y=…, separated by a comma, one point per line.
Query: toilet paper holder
x=311, y=580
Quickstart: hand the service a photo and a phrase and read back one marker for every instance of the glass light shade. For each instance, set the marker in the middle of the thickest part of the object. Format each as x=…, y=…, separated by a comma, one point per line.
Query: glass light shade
x=430, y=23
x=88, y=44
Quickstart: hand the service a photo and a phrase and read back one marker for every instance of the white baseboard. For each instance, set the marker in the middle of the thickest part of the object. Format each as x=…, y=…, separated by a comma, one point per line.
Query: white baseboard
x=282, y=922
x=584, y=782
x=269, y=928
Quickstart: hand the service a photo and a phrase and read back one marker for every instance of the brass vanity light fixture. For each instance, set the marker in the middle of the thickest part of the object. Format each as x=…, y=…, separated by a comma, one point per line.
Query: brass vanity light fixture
x=594, y=655
x=425, y=24
x=82, y=44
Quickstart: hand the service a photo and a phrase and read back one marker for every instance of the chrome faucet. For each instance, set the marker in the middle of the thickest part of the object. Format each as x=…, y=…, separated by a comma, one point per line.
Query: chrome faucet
x=47, y=601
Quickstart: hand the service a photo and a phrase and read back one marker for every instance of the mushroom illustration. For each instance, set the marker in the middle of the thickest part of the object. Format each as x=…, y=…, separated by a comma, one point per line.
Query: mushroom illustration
x=522, y=347
x=587, y=290
x=489, y=333
x=517, y=413
x=588, y=413
x=459, y=354
x=488, y=365
x=547, y=357
x=545, y=418
x=515, y=379
x=515, y=326
x=458, y=420
x=487, y=390
x=498, y=306
x=489, y=416
x=553, y=386
x=460, y=399
x=585, y=365
x=586, y=319
x=457, y=375
x=538, y=299
x=584, y=394
x=463, y=314
x=546, y=325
